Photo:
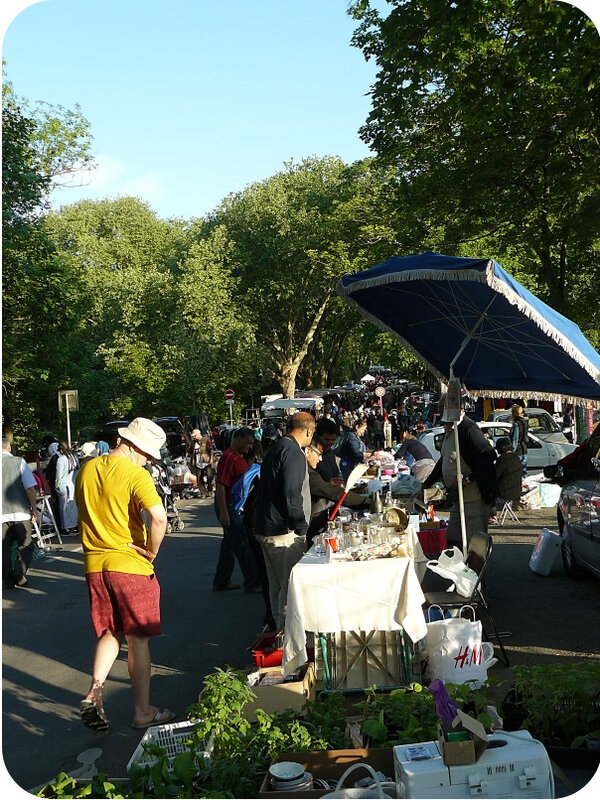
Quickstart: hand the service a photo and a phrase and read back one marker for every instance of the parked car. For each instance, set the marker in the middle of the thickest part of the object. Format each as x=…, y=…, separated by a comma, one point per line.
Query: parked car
x=578, y=508
x=176, y=440
x=541, y=423
x=109, y=431
x=540, y=453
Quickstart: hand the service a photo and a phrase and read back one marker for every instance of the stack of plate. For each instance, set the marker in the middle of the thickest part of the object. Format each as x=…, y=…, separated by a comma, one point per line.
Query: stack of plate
x=289, y=776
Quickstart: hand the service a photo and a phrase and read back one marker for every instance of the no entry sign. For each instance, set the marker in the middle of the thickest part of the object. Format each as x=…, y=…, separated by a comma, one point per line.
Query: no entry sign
x=229, y=394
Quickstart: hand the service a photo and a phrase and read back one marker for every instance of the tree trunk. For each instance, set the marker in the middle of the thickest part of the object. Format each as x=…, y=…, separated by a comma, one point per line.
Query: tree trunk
x=287, y=379
x=289, y=366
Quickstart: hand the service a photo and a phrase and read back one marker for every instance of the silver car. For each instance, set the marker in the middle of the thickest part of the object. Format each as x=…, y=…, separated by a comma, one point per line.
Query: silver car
x=540, y=453
x=578, y=509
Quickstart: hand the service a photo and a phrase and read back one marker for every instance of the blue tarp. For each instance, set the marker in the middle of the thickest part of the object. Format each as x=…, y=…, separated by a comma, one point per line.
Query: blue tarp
x=516, y=345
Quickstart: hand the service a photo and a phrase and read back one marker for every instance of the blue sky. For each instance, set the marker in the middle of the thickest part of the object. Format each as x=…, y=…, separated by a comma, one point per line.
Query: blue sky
x=189, y=100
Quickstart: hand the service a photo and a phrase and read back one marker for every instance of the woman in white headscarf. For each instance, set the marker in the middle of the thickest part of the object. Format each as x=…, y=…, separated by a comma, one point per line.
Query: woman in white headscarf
x=66, y=472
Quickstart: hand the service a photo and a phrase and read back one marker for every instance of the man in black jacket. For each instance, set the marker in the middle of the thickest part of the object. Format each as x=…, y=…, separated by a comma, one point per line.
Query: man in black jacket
x=283, y=508
x=479, y=485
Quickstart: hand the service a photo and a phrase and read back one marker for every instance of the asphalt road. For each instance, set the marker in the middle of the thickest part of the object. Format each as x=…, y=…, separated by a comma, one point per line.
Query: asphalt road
x=49, y=643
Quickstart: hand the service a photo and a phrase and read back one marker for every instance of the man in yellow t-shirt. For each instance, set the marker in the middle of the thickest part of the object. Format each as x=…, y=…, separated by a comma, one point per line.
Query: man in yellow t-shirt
x=111, y=493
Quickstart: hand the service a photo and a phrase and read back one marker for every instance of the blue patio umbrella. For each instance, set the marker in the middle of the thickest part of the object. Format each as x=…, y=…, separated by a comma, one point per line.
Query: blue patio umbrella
x=468, y=318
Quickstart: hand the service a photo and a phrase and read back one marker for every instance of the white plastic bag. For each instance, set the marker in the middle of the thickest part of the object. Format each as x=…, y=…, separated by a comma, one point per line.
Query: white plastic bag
x=450, y=565
x=455, y=650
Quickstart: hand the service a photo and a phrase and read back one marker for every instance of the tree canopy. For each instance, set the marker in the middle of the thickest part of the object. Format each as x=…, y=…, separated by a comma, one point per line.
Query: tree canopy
x=489, y=110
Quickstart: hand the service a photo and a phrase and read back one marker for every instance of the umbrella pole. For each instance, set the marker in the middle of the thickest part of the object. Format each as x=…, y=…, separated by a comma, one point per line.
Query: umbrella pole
x=461, y=502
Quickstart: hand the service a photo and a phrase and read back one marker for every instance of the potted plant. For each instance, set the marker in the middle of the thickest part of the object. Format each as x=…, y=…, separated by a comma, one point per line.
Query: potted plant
x=557, y=703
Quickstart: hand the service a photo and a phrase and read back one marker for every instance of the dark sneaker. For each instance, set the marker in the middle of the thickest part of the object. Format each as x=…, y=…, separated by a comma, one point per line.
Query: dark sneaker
x=21, y=580
x=226, y=588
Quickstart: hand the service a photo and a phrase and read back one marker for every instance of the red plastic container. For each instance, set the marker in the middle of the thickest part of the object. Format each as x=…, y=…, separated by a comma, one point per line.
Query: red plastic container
x=432, y=541
x=265, y=653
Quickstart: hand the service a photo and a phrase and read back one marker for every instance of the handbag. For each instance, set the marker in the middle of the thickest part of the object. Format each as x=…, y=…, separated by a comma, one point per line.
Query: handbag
x=455, y=649
x=450, y=565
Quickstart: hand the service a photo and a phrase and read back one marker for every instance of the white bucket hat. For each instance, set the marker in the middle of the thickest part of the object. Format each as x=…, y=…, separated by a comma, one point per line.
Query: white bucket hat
x=146, y=435
x=89, y=449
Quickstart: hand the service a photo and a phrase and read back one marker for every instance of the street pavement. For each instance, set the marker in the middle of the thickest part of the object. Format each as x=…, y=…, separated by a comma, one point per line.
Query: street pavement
x=49, y=643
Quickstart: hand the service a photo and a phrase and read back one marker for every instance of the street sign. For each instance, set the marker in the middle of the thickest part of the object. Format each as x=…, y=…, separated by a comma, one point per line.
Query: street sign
x=229, y=395
x=230, y=402
x=380, y=391
x=68, y=399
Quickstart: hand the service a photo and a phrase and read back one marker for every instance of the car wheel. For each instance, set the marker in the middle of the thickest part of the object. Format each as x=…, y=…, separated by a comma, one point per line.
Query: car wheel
x=572, y=568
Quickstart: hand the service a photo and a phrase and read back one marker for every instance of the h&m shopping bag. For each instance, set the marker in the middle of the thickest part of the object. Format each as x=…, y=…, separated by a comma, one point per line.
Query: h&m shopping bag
x=454, y=649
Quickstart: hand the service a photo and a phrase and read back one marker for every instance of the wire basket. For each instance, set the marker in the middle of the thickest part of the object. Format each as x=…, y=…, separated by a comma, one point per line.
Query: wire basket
x=173, y=737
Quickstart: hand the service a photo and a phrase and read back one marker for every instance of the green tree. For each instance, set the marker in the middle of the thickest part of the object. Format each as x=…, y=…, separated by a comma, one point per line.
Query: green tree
x=489, y=110
x=125, y=258
x=40, y=297
x=292, y=236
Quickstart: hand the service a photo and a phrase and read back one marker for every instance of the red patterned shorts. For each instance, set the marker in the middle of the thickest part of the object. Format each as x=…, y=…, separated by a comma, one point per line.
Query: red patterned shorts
x=124, y=603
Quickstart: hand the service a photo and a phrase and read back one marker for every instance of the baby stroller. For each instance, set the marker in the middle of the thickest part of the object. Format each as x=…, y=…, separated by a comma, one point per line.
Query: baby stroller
x=162, y=481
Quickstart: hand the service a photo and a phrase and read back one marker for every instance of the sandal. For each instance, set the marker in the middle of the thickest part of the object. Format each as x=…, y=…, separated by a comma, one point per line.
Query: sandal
x=162, y=716
x=92, y=711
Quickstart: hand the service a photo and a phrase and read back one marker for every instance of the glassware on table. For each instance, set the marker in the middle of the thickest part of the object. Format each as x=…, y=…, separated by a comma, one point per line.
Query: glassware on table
x=319, y=544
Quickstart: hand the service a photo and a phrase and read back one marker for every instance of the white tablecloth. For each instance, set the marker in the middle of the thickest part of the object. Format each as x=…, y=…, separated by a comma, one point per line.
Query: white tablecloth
x=383, y=594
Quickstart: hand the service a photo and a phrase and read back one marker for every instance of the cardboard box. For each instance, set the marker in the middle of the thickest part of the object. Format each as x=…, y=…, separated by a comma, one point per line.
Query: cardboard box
x=331, y=765
x=461, y=752
x=282, y=696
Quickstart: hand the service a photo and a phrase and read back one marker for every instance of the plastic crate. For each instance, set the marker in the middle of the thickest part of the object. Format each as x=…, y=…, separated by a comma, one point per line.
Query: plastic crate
x=172, y=737
x=266, y=654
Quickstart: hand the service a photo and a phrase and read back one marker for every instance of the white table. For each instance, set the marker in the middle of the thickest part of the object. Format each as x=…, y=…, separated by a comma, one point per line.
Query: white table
x=379, y=595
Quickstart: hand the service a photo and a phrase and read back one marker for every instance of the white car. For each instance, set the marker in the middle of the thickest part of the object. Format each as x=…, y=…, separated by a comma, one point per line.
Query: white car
x=541, y=424
x=540, y=453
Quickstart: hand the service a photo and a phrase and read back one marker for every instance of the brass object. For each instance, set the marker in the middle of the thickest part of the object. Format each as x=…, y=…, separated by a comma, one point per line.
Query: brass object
x=397, y=518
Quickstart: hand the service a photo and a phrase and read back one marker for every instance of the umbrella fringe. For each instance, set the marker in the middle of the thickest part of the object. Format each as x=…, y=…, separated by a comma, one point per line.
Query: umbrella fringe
x=525, y=308
x=536, y=395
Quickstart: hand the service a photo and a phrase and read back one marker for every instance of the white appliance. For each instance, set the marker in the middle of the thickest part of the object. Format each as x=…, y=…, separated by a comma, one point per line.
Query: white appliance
x=514, y=765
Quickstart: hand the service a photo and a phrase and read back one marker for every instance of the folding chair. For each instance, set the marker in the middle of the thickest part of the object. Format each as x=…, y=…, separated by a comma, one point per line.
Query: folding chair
x=508, y=510
x=44, y=530
x=478, y=556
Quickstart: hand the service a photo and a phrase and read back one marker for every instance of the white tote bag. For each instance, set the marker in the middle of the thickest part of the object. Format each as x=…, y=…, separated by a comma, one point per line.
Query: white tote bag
x=455, y=650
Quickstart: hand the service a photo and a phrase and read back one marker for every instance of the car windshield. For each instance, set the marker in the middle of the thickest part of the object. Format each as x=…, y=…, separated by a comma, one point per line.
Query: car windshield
x=543, y=423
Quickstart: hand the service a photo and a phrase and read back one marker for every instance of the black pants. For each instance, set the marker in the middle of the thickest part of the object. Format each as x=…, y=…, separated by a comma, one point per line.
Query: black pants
x=19, y=532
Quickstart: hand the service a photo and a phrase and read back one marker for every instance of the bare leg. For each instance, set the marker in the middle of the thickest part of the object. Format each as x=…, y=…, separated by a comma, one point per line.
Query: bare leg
x=92, y=705
x=107, y=650
x=139, y=664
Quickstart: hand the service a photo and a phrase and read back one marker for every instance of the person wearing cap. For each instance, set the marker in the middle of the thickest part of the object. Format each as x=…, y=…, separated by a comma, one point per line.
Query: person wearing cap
x=88, y=451
x=118, y=554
